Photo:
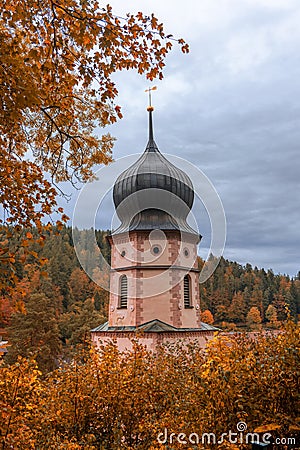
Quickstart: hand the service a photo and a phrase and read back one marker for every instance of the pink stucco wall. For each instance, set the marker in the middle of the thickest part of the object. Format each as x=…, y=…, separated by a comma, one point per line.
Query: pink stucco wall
x=154, y=293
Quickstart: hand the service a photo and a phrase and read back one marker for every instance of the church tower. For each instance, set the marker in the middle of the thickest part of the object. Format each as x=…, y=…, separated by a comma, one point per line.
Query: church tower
x=154, y=280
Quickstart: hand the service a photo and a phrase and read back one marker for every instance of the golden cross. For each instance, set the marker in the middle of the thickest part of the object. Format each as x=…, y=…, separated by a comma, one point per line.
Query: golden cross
x=149, y=90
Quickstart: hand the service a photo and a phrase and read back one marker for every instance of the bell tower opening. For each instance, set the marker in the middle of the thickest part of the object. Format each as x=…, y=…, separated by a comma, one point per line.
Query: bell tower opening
x=187, y=291
x=123, y=292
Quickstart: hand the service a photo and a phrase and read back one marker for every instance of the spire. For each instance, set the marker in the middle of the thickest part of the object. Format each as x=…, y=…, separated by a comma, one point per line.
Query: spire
x=151, y=146
x=150, y=109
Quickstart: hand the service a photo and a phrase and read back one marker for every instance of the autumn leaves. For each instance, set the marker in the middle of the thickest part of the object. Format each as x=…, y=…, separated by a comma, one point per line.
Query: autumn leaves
x=57, y=59
x=113, y=401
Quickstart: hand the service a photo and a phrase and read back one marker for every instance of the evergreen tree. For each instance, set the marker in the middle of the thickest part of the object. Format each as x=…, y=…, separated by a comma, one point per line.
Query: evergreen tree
x=271, y=313
x=76, y=325
x=237, y=309
x=221, y=313
x=62, y=260
x=271, y=316
x=36, y=333
x=101, y=300
x=80, y=286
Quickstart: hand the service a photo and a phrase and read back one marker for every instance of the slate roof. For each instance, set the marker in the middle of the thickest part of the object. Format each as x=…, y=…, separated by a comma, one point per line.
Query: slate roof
x=153, y=170
x=154, y=326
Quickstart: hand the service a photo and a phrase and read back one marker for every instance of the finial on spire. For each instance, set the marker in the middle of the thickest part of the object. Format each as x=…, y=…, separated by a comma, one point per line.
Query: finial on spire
x=150, y=107
x=151, y=144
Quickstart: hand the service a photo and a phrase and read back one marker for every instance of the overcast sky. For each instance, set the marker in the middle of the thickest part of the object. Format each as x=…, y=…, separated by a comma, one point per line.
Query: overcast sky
x=230, y=107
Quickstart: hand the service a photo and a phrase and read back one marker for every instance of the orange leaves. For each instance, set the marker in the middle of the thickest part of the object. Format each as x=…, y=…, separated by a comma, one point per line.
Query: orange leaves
x=266, y=428
x=124, y=400
x=56, y=88
x=140, y=16
x=43, y=261
x=118, y=111
x=4, y=251
x=59, y=225
x=19, y=388
x=184, y=46
x=154, y=22
x=25, y=243
x=207, y=317
x=105, y=116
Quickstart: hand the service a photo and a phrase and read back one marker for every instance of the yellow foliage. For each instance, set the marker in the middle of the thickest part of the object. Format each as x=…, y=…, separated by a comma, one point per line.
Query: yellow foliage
x=112, y=400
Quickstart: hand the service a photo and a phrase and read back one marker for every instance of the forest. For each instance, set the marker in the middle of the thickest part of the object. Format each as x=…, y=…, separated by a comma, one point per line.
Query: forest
x=53, y=307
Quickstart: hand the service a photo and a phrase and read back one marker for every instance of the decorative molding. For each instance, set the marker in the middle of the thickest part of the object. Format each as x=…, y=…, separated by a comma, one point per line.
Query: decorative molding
x=156, y=267
x=99, y=335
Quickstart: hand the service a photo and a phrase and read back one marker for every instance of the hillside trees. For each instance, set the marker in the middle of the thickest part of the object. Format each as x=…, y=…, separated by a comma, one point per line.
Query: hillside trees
x=35, y=332
x=56, y=87
x=248, y=287
x=82, y=304
x=78, y=303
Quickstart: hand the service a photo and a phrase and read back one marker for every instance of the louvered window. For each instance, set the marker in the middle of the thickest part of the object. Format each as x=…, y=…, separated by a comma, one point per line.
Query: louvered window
x=123, y=292
x=187, y=291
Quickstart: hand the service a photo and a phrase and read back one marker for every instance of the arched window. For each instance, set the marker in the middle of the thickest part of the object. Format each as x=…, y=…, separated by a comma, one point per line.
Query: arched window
x=123, y=292
x=187, y=291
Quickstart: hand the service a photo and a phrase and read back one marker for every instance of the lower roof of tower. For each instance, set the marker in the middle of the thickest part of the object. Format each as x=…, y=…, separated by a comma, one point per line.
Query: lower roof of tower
x=154, y=219
x=153, y=326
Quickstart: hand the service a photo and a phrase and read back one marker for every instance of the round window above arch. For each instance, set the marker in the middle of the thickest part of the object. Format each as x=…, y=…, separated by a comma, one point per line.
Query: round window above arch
x=156, y=250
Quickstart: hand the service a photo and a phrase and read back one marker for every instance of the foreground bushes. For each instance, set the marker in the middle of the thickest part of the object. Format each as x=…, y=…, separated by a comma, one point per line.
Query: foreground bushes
x=113, y=401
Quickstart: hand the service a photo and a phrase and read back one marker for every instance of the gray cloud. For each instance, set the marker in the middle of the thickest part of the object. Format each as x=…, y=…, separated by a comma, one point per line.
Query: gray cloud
x=231, y=107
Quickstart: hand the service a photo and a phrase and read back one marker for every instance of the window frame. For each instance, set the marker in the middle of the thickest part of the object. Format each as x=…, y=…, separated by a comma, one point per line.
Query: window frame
x=123, y=292
x=187, y=291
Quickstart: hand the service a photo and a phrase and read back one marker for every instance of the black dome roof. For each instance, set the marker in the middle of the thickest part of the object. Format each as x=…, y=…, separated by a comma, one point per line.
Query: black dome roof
x=154, y=173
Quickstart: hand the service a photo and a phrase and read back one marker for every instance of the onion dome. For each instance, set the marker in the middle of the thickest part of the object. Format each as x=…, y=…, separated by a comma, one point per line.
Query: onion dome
x=153, y=193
